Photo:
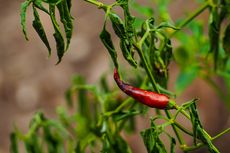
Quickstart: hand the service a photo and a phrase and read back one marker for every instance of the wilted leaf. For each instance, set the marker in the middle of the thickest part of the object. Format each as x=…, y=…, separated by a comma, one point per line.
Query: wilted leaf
x=127, y=52
x=107, y=41
x=118, y=25
x=152, y=141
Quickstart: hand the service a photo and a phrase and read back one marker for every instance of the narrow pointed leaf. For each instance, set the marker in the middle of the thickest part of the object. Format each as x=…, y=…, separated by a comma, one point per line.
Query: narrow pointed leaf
x=66, y=20
x=107, y=41
x=226, y=40
x=14, y=143
x=38, y=4
x=24, y=7
x=60, y=44
x=118, y=25
x=40, y=30
x=126, y=49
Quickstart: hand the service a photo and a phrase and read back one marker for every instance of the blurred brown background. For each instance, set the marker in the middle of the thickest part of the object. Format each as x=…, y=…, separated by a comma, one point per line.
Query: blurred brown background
x=29, y=81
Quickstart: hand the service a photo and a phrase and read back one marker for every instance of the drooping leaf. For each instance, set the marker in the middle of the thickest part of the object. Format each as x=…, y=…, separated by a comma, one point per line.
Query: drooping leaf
x=66, y=20
x=69, y=3
x=14, y=143
x=152, y=141
x=107, y=41
x=118, y=25
x=129, y=20
x=38, y=4
x=199, y=131
x=214, y=32
x=127, y=52
x=226, y=40
x=24, y=7
x=32, y=144
x=40, y=30
x=60, y=44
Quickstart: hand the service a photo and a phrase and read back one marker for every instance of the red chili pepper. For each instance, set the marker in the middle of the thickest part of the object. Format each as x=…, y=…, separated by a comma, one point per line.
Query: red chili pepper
x=148, y=98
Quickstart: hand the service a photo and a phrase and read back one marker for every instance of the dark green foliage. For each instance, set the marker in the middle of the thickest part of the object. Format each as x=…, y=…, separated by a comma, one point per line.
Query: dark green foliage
x=101, y=112
x=40, y=30
x=107, y=41
x=65, y=17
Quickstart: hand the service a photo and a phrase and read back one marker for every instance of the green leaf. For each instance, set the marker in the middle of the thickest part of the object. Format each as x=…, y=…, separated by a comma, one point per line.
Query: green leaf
x=13, y=143
x=60, y=44
x=52, y=1
x=124, y=115
x=107, y=41
x=214, y=32
x=186, y=77
x=152, y=141
x=40, y=30
x=32, y=144
x=66, y=20
x=24, y=7
x=126, y=49
x=118, y=25
x=69, y=3
x=38, y=4
x=199, y=131
x=68, y=97
x=226, y=40
x=172, y=145
x=129, y=20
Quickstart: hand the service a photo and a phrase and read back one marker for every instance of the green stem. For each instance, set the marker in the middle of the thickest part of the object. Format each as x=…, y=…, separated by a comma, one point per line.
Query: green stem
x=199, y=145
x=148, y=71
x=146, y=66
x=178, y=135
x=183, y=129
x=191, y=17
x=98, y=4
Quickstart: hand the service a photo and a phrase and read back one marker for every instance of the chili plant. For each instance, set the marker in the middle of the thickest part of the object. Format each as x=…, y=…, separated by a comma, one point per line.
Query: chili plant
x=145, y=41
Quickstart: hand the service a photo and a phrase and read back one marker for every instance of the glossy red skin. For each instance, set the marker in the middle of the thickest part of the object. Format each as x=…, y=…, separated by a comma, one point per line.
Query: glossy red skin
x=148, y=98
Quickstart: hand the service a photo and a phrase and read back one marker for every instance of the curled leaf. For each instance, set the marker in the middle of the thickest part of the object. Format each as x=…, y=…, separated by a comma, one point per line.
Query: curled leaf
x=118, y=25
x=127, y=52
x=107, y=41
